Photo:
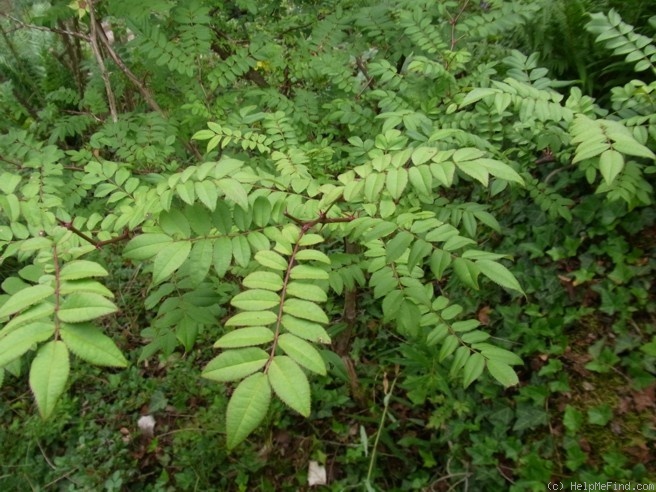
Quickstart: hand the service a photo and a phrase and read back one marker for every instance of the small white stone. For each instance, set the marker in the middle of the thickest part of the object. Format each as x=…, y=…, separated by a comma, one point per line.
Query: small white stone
x=146, y=425
x=316, y=474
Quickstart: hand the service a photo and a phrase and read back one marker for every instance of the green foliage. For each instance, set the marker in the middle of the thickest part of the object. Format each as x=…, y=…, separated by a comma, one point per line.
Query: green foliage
x=373, y=180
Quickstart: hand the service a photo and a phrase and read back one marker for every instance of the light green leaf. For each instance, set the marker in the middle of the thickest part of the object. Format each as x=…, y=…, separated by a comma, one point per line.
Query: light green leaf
x=421, y=180
x=207, y=193
x=449, y=346
x=499, y=274
x=476, y=95
x=81, y=269
x=500, y=170
x=271, y=259
x=310, y=240
x=459, y=360
x=222, y=217
x=306, y=272
x=146, y=246
x=199, y=261
x=503, y=373
x=474, y=170
x=241, y=250
x=611, y=164
x=396, y=181
x=19, y=341
x=498, y=354
x=398, y=245
x=247, y=408
x=473, y=369
x=169, y=259
x=255, y=300
x=234, y=191
x=222, y=255
x=312, y=255
x=467, y=272
x=263, y=280
x=309, y=292
x=45, y=309
x=305, y=329
x=245, y=337
x=89, y=343
x=84, y=285
x=25, y=298
x=290, y=384
x=302, y=353
x=261, y=211
x=48, y=375
x=84, y=306
x=233, y=365
x=253, y=318
x=305, y=310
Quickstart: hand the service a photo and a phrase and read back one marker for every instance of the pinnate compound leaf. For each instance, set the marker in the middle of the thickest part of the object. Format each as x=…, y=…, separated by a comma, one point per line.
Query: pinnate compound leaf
x=245, y=337
x=247, y=408
x=290, y=384
x=25, y=298
x=207, y=193
x=84, y=306
x=305, y=329
x=253, y=318
x=234, y=365
x=90, y=344
x=169, y=259
x=222, y=255
x=48, y=375
x=234, y=191
x=263, y=280
x=312, y=254
x=304, y=309
x=146, y=246
x=499, y=274
x=22, y=339
x=467, y=272
x=398, y=245
x=255, y=300
x=611, y=163
x=271, y=259
x=309, y=292
x=305, y=272
x=81, y=269
x=302, y=353
x=503, y=373
x=473, y=369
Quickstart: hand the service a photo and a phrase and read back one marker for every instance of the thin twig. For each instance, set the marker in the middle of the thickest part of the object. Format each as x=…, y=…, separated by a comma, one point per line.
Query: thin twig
x=43, y=28
x=93, y=27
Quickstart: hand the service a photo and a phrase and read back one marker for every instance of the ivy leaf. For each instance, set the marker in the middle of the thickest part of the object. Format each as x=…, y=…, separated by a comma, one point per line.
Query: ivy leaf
x=302, y=353
x=290, y=384
x=90, y=344
x=169, y=259
x=499, y=274
x=78, y=269
x=245, y=337
x=233, y=365
x=48, y=375
x=247, y=408
x=305, y=310
x=503, y=373
x=25, y=298
x=84, y=306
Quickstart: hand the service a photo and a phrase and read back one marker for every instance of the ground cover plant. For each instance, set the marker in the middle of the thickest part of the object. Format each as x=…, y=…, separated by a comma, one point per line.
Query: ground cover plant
x=374, y=245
